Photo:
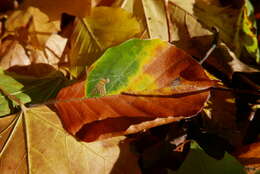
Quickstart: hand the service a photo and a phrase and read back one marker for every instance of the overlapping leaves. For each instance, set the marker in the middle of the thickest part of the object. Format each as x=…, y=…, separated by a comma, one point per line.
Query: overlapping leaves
x=34, y=141
x=133, y=84
x=27, y=89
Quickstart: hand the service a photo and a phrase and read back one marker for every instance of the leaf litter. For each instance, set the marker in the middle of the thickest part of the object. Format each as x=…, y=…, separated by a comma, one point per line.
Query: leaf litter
x=185, y=24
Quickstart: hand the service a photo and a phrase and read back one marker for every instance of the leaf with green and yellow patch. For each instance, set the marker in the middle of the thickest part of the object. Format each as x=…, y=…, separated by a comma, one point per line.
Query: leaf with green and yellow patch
x=105, y=27
x=135, y=86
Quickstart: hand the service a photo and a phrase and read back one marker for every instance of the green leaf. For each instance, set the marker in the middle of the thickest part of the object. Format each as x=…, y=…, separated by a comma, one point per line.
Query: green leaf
x=257, y=172
x=248, y=33
x=27, y=89
x=9, y=86
x=145, y=67
x=199, y=162
x=119, y=67
x=237, y=26
x=105, y=27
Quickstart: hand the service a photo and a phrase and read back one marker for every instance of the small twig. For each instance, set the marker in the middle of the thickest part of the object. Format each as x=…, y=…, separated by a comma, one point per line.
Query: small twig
x=213, y=47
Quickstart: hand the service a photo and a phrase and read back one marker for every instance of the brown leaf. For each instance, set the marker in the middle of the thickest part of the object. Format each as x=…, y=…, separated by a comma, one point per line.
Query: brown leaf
x=249, y=156
x=12, y=53
x=35, y=142
x=31, y=26
x=79, y=8
x=220, y=116
x=133, y=111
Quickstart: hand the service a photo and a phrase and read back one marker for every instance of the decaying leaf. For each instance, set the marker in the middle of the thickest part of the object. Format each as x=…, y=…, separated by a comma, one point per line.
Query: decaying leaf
x=249, y=156
x=34, y=141
x=156, y=22
x=222, y=121
x=192, y=35
x=30, y=27
x=198, y=161
x=12, y=53
x=188, y=31
x=105, y=27
x=150, y=83
x=54, y=9
x=236, y=25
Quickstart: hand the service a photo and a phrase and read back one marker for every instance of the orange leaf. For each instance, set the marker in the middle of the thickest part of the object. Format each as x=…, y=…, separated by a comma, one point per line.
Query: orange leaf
x=249, y=156
x=123, y=113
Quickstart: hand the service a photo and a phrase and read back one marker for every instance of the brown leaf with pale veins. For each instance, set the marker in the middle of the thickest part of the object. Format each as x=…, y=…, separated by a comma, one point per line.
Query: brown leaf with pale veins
x=181, y=93
x=35, y=142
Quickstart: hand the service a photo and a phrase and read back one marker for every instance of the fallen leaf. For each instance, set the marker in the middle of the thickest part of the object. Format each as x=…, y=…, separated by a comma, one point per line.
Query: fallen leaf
x=190, y=34
x=249, y=34
x=30, y=27
x=12, y=53
x=186, y=31
x=240, y=39
x=34, y=141
x=52, y=52
x=9, y=85
x=27, y=89
x=54, y=9
x=108, y=28
x=157, y=25
x=105, y=27
x=222, y=121
x=249, y=156
x=198, y=161
x=163, y=84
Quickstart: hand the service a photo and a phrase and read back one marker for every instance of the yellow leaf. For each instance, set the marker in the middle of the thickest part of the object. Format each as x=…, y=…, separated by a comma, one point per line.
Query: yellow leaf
x=112, y=25
x=35, y=142
x=105, y=27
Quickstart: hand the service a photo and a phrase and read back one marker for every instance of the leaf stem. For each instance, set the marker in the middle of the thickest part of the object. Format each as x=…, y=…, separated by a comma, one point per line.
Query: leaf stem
x=213, y=45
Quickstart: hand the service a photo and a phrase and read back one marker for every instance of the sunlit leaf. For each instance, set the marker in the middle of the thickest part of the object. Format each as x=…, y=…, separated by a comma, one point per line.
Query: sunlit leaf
x=9, y=86
x=54, y=9
x=34, y=142
x=105, y=27
x=30, y=26
x=163, y=83
x=156, y=22
x=237, y=38
x=12, y=53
